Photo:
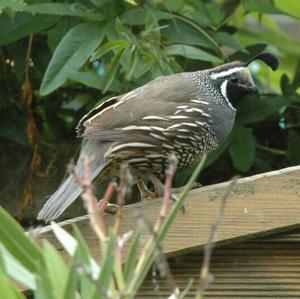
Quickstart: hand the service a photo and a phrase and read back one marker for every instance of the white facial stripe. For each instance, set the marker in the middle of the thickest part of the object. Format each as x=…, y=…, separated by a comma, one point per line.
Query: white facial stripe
x=224, y=93
x=227, y=73
x=223, y=89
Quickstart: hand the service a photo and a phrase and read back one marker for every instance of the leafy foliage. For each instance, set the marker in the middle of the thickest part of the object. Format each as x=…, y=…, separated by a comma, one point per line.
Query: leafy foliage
x=77, y=53
x=43, y=270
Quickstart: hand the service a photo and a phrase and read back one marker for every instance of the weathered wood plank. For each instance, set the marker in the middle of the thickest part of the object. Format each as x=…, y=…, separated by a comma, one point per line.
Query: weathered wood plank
x=237, y=273
x=257, y=205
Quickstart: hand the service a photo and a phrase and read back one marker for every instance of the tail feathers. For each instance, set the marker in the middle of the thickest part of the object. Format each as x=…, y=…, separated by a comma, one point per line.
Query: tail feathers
x=69, y=189
x=60, y=200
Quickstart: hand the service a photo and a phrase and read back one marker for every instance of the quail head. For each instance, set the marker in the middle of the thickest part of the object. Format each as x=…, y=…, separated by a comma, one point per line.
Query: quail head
x=185, y=114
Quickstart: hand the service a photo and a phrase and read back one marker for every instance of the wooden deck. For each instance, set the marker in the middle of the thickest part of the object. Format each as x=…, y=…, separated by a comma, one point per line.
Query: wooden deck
x=257, y=206
x=267, y=267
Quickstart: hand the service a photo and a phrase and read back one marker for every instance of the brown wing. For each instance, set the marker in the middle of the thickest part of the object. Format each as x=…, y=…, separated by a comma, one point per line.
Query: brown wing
x=159, y=98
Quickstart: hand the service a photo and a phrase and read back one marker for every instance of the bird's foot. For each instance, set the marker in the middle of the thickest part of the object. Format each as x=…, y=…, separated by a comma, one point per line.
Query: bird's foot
x=145, y=192
x=107, y=207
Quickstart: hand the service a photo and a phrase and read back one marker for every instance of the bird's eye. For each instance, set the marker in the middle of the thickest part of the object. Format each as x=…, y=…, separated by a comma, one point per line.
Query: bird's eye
x=234, y=80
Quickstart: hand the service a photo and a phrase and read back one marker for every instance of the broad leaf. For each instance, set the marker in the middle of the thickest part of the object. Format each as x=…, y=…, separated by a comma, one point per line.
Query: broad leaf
x=71, y=53
x=137, y=16
x=63, y=9
x=253, y=109
x=290, y=7
x=192, y=53
x=116, y=44
x=23, y=25
x=206, y=15
x=242, y=148
x=13, y=5
x=183, y=33
x=228, y=40
x=261, y=6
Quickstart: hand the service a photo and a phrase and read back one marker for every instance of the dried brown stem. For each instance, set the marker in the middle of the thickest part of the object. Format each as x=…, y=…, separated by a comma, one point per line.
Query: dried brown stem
x=125, y=182
x=167, y=192
x=205, y=274
x=95, y=211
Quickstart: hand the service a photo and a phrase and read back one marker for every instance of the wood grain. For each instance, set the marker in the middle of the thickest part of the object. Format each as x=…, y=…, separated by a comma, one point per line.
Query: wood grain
x=267, y=267
x=258, y=205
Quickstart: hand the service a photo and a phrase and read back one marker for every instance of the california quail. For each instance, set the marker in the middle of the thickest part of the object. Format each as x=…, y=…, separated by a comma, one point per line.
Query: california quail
x=186, y=114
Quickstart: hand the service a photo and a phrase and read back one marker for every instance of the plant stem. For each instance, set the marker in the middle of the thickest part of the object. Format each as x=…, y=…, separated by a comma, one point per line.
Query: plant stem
x=149, y=250
x=274, y=151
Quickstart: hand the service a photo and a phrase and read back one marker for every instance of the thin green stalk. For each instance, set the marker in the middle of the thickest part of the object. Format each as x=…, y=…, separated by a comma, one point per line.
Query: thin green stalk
x=274, y=151
x=149, y=251
x=198, y=28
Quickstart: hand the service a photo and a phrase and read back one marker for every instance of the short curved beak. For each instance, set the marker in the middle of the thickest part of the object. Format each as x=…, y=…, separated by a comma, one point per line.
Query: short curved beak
x=250, y=88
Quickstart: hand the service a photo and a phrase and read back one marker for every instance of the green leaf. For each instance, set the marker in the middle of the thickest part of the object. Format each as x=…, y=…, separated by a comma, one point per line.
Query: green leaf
x=242, y=148
x=15, y=269
x=144, y=65
x=133, y=62
x=92, y=79
x=116, y=44
x=23, y=25
x=228, y=40
x=7, y=289
x=57, y=269
x=293, y=147
x=71, y=281
x=261, y=6
x=290, y=7
x=296, y=80
x=183, y=33
x=192, y=53
x=112, y=70
x=137, y=16
x=44, y=288
x=132, y=255
x=13, y=5
x=18, y=244
x=253, y=109
x=83, y=257
x=206, y=15
x=71, y=53
x=108, y=260
x=63, y=9
x=66, y=240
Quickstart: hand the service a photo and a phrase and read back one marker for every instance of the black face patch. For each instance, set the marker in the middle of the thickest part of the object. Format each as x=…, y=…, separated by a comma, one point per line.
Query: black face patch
x=235, y=91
